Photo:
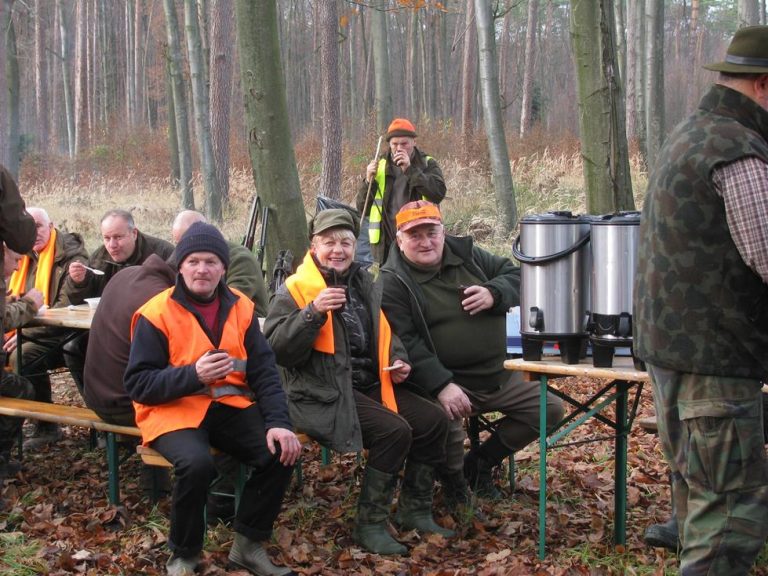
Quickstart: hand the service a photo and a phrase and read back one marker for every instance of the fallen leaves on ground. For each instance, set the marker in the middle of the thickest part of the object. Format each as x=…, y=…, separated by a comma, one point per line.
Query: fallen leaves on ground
x=59, y=501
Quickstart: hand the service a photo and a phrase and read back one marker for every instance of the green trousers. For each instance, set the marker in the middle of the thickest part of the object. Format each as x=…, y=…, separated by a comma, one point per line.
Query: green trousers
x=711, y=431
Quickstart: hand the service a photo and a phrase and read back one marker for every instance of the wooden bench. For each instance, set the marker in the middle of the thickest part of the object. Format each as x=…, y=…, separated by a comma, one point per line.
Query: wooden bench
x=75, y=416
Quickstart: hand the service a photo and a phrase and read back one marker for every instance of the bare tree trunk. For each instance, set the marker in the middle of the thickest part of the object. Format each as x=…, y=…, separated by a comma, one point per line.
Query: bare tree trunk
x=202, y=111
x=468, y=70
x=631, y=70
x=68, y=111
x=42, y=104
x=381, y=64
x=526, y=116
x=694, y=53
x=330, y=177
x=655, y=80
x=173, y=137
x=269, y=133
x=494, y=128
x=81, y=77
x=12, y=79
x=221, y=69
x=748, y=13
x=179, y=105
x=130, y=62
x=601, y=108
x=640, y=76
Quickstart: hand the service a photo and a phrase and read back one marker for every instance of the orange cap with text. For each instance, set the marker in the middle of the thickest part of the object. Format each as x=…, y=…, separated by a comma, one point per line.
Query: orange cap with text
x=416, y=213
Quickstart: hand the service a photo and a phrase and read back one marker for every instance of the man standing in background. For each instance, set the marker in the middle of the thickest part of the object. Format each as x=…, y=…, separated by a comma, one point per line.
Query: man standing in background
x=403, y=175
x=701, y=311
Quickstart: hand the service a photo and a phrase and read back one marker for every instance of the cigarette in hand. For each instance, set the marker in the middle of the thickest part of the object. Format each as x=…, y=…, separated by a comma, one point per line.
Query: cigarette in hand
x=389, y=368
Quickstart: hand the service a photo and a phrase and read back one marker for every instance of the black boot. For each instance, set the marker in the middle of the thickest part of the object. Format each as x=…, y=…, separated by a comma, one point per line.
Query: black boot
x=664, y=535
x=373, y=511
x=455, y=491
x=414, y=507
x=8, y=468
x=479, y=465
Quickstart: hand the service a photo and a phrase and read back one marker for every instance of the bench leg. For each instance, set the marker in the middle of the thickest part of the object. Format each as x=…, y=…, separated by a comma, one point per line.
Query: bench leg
x=113, y=465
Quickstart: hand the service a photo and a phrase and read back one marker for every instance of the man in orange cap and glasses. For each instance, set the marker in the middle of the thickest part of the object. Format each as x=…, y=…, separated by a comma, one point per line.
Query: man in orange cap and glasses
x=403, y=175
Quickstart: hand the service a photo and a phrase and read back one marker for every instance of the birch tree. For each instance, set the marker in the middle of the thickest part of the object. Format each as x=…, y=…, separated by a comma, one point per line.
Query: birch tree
x=81, y=76
x=497, y=144
x=178, y=93
x=269, y=133
x=330, y=177
x=42, y=104
x=601, y=108
x=748, y=13
x=201, y=111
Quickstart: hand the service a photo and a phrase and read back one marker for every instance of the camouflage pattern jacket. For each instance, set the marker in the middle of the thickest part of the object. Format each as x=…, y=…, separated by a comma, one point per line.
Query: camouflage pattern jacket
x=698, y=307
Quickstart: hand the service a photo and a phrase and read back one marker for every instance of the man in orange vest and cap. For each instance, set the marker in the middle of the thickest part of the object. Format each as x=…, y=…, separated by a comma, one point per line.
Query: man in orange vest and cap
x=403, y=175
x=201, y=375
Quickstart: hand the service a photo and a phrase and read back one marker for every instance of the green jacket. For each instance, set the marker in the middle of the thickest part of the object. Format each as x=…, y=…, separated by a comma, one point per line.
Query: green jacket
x=319, y=385
x=244, y=274
x=698, y=307
x=18, y=311
x=409, y=313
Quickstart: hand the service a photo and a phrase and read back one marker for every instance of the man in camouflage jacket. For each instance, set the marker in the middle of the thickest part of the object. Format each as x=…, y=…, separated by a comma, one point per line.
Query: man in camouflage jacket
x=701, y=311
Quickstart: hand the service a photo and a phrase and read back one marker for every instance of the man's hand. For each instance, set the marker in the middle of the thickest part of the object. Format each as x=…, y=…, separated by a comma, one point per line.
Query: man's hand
x=213, y=366
x=370, y=170
x=478, y=298
x=455, y=401
x=77, y=272
x=36, y=296
x=402, y=159
x=290, y=447
x=330, y=299
x=399, y=371
x=10, y=344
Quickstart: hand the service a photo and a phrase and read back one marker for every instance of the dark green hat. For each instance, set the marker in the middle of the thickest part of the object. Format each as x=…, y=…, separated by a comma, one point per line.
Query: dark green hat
x=747, y=53
x=333, y=218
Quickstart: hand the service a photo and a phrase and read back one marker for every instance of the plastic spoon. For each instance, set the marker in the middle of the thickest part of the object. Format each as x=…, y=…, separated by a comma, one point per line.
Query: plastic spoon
x=94, y=270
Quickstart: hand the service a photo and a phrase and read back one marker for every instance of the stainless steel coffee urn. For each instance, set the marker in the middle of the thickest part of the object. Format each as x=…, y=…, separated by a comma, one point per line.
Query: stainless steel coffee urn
x=614, y=259
x=553, y=251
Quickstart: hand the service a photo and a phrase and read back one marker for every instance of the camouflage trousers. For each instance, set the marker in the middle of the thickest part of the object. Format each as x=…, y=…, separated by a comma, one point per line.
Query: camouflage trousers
x=12, y=386
x=711, y=431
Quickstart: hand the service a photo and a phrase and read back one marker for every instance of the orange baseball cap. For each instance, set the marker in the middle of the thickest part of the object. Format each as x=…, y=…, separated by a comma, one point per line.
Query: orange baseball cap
x=416, y=213
x=401, y=127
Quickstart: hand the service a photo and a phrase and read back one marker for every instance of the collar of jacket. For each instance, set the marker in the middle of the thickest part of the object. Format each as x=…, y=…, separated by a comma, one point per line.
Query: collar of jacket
x=731, y=103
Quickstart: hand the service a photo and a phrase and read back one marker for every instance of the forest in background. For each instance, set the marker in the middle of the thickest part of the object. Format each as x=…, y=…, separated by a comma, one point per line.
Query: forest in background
x=91, y=71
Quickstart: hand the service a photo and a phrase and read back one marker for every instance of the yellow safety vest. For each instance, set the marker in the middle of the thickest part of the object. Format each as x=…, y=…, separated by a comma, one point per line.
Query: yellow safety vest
x=377, y=206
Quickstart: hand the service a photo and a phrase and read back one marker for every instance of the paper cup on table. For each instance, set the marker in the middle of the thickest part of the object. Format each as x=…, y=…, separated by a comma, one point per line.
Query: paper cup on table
x=93, y=302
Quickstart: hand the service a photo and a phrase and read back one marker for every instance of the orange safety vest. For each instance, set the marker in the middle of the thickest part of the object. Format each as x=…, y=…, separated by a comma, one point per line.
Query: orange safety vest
x=187, y=341
x=304, y=286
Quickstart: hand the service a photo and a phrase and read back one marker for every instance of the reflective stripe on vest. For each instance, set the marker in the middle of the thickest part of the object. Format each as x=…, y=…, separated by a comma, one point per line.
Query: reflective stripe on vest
x=377, y=205
x=187, y=341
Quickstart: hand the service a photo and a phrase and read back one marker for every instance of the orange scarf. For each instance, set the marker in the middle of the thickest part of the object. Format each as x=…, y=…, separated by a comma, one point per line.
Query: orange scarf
x=18, y=282
x=304, y=286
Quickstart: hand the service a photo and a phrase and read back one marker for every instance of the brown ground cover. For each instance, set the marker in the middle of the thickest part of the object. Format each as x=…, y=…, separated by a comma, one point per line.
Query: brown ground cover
x=59, y=503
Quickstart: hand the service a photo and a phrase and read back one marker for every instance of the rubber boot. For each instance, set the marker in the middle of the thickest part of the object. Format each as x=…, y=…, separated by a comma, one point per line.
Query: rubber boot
x=455, y=491
x=664, y=535
x=178, y=566
x=252, y=556
x=8, y=468
x=414, y=507
x=479, y=465
x=372, y=512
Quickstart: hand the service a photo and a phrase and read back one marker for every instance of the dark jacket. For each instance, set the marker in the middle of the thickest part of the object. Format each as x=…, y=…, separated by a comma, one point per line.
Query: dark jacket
x=18, y=311
x=243, y=273
x=93, y=285
x=423, y=181
x=69, y=248
x=17, y=229
x=698, y=307
x=319, y=385
x=408, y=311
x=150, y=380
x=109, y=343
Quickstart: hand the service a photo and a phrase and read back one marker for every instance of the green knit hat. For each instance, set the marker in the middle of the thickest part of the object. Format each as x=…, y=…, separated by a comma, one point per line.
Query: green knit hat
x=747, y=53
